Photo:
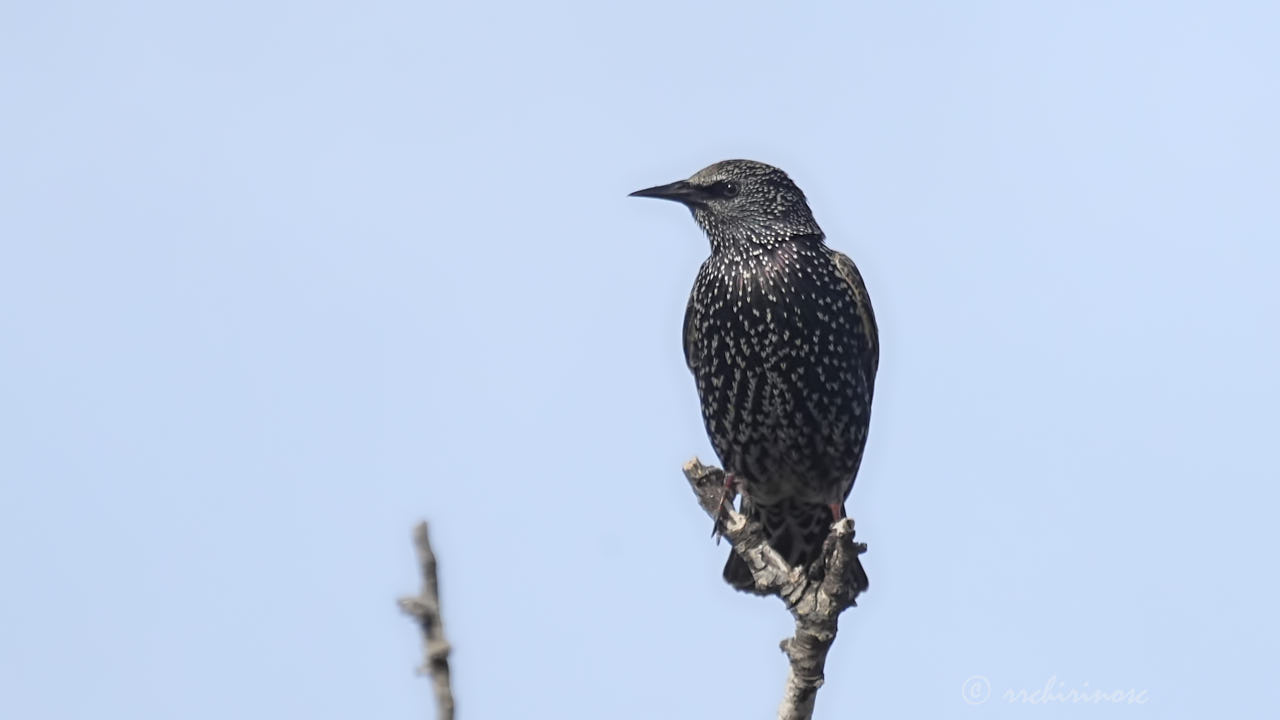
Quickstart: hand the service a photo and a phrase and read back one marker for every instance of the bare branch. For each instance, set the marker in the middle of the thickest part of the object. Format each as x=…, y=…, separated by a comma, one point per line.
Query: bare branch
x=815, y=598
x=425, y=608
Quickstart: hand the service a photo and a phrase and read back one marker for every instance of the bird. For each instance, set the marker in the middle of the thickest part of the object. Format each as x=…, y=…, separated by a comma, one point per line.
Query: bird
x=782, y=342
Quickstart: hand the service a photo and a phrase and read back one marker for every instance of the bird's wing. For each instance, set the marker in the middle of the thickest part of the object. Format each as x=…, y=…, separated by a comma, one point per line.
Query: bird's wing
x=690, y=334
x=862, y=303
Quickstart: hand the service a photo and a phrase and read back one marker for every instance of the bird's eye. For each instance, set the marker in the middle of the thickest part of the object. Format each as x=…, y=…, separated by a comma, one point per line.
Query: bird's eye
x=726, y=188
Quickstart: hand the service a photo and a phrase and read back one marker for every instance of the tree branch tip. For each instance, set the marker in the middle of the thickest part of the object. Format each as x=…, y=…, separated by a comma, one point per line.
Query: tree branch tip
x=425, y=609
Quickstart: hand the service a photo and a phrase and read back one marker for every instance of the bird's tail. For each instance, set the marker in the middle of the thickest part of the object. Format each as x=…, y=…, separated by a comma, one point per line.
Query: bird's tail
x=795, y=530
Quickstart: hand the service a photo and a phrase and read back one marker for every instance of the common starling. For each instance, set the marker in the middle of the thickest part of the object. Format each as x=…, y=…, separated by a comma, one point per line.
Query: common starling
x=783, y=346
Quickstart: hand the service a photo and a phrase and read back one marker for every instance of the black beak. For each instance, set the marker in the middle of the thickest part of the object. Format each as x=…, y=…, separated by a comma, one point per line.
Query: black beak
x=682, y=191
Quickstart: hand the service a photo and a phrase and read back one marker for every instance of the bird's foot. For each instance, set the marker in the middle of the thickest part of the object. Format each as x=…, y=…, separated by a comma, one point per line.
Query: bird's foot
x=727, y=493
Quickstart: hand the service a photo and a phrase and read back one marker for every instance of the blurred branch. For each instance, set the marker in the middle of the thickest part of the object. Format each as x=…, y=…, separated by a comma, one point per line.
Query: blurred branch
x=815, y=598
x=425, y=608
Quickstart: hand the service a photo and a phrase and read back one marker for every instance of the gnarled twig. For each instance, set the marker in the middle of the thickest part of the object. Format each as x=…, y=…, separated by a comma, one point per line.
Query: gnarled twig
x=815, y=598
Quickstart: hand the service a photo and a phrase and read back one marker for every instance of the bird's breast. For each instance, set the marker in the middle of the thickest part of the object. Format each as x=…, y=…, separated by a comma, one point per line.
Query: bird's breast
x=779, y=357
x=769, y=309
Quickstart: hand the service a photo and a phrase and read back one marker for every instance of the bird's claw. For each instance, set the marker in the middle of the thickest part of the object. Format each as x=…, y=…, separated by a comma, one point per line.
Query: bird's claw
x=725, y=506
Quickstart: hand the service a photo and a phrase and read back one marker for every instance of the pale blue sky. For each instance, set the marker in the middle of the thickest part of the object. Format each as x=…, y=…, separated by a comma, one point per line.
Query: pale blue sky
x=278, y=279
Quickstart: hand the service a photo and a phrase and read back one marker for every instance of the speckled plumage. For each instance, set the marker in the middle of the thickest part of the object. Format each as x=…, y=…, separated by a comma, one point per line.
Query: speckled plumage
x=782, y=342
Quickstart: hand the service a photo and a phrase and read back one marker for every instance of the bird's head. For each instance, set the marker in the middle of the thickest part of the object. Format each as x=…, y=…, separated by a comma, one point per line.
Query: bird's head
x=742, y=203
